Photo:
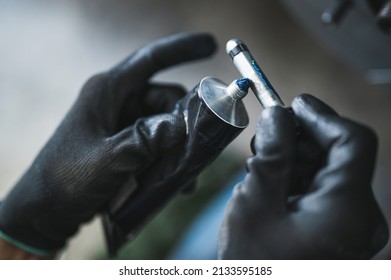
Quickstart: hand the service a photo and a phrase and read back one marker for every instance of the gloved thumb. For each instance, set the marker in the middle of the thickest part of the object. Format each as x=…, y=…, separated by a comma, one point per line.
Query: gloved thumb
x=270, y=169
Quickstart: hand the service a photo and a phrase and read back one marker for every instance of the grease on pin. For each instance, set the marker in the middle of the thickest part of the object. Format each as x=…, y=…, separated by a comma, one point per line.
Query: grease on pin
x=243, y=84
x=238, y=89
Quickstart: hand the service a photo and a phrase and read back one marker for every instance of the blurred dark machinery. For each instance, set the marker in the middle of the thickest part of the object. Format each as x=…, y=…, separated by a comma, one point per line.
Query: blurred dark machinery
x=382, y=10
x=337, y=10
x=358, y=31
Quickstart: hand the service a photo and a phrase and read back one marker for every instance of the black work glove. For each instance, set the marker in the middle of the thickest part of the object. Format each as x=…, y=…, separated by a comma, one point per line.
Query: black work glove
x=338, y=218
x=110, y=134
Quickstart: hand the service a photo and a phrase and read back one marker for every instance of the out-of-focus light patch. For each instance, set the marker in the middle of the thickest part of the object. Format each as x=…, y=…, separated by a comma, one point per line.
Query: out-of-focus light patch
x=379, y=76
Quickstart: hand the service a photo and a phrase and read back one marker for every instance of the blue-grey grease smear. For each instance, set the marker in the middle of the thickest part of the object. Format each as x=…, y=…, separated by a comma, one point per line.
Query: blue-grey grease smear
x=243, y=84
x=262, y=75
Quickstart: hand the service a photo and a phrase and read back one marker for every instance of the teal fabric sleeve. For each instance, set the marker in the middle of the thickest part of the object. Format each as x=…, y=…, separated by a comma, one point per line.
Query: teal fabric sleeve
x=24, y=247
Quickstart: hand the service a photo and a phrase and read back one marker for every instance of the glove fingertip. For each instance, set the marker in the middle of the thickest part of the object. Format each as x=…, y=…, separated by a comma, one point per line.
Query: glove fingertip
x=305, y=104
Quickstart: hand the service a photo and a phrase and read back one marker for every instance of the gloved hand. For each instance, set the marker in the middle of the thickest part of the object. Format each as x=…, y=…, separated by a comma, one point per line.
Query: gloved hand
x=338, y=218
x=207, y=136
x=110, y=134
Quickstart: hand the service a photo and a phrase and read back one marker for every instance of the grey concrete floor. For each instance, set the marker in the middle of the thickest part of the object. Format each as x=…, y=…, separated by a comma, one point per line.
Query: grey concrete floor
x=49, y=48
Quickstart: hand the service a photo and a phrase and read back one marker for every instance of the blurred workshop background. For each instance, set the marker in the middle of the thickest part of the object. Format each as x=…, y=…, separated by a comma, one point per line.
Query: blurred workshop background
x=49, y=48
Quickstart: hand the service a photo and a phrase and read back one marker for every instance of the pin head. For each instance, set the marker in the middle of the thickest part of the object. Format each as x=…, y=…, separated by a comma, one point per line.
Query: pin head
x=234, y=47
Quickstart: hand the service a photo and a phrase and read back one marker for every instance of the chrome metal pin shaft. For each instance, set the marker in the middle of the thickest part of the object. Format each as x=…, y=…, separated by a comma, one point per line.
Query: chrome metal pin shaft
x=249, y=68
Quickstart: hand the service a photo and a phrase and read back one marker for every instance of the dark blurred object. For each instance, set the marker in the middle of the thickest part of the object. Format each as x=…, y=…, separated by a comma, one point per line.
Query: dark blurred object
x=358, y=40
x=336, y=11
x=384, y=17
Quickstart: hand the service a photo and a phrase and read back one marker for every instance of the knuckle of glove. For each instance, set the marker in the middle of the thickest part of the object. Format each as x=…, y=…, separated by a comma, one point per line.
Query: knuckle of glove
x=93, y=86
x=243, y=205
x=149, y=138
x=359, y=138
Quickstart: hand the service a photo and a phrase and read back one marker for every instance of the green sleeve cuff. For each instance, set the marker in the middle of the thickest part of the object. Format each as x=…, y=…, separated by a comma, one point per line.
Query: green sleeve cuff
x=24, y=247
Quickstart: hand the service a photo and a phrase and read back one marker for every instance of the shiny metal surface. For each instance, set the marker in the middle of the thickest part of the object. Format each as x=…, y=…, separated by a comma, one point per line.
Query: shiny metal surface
x=384, y=18
x=249, y=68
x=224, y=101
